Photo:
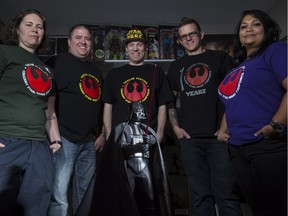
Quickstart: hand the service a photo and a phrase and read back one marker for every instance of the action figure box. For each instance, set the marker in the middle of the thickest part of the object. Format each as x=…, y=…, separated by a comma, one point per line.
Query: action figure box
x=179, y=49
x=98, y=43
x=167, y=42
x=114, y=49
x=152, y=34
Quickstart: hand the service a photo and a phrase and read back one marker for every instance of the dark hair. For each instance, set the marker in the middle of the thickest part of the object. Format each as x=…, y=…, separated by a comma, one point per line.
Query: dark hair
x=11, y=37
x=186, y=21
x=75, y=27
x=271, y=29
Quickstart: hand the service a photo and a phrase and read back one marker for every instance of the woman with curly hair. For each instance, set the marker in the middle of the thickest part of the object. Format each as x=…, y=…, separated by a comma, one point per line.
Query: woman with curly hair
x=27, y=116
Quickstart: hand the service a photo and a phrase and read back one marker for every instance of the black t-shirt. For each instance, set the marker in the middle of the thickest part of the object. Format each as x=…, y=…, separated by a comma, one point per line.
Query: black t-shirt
x=78, y=104
x=197, y=78
x=130, y=83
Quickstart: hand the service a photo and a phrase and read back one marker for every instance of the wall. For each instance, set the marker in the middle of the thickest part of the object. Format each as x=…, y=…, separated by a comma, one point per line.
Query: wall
x=279, y=13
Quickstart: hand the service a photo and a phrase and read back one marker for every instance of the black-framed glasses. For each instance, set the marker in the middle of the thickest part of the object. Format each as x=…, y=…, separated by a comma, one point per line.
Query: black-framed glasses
x=190, y=35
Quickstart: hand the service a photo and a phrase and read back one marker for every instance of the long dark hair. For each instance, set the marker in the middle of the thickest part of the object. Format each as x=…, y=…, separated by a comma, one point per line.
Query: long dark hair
x=271, y=29
x=10, y=36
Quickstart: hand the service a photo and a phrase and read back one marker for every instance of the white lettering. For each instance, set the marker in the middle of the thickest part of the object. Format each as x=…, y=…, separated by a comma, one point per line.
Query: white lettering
x=197, y=92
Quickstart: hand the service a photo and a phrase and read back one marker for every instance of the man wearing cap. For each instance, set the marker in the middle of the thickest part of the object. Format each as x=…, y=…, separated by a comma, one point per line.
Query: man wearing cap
x=147, y=86
x=136, y=81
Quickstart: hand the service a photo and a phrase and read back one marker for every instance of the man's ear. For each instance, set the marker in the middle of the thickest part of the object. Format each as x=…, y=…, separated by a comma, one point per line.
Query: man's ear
x=202, y=35
x=69, y=42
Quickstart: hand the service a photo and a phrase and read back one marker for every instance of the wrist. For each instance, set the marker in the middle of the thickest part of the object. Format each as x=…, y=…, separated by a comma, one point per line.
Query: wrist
x=175, y=127
x=56, y=142
x=277, y=126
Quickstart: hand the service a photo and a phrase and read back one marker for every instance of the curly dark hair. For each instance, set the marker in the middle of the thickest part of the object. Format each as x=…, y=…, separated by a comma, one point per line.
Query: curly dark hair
x=271, y=29
x=10, y=36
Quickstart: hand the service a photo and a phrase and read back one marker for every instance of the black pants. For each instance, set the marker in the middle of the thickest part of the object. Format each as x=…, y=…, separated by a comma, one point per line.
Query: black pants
x=261, y=171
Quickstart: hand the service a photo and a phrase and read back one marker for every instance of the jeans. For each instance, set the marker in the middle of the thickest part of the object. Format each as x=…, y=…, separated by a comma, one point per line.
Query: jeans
x=209, y=169
x=261, y=170
x=26, y=170
x=73, y=160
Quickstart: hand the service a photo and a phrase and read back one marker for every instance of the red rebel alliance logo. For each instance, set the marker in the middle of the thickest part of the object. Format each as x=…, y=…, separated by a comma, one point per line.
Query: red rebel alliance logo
x=37, y=79
x=197, y=75
x=90, y=87
x=135, y=89
x=231, y=84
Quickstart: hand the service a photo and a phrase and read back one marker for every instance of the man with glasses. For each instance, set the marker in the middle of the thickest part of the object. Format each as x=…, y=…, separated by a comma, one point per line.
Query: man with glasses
x=195, y=78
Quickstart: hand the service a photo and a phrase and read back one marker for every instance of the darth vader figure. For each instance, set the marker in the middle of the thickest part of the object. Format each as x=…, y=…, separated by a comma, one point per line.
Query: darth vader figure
x=131, y=178
x=136, y=147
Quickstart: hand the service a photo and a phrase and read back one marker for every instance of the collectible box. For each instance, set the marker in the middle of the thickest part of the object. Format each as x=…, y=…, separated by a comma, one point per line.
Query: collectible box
x=167, y=42
x=98, y=43
x=114, y=49
x=152, y=34
x=179, y=49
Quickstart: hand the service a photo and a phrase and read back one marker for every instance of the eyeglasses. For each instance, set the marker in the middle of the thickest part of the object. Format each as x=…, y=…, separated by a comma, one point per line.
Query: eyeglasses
x=190, y=35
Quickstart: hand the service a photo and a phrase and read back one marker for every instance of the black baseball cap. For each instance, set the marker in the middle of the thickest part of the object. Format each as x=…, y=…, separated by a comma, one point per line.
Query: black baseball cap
x=134, y=34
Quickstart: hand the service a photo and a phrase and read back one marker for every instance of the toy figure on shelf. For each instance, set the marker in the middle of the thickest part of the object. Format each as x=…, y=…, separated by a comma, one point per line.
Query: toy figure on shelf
x=167, y=48
x=153, y=49
x=153, y=42
x=167, y=42
x=113, y=44
x=115, y=48
x=99, y=42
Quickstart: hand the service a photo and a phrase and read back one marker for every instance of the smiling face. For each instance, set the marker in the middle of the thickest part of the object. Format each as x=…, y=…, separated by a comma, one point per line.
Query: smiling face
x=80, y=42
x=251, y=33
x=136, y=52
x=30, y=32
x=190, y=38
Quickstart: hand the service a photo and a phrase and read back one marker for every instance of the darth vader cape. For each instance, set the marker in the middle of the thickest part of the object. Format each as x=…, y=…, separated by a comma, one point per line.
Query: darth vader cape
x=111, y=194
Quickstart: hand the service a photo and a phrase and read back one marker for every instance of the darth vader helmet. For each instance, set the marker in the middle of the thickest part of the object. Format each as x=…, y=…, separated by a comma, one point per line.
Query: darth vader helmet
x=136, y=112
